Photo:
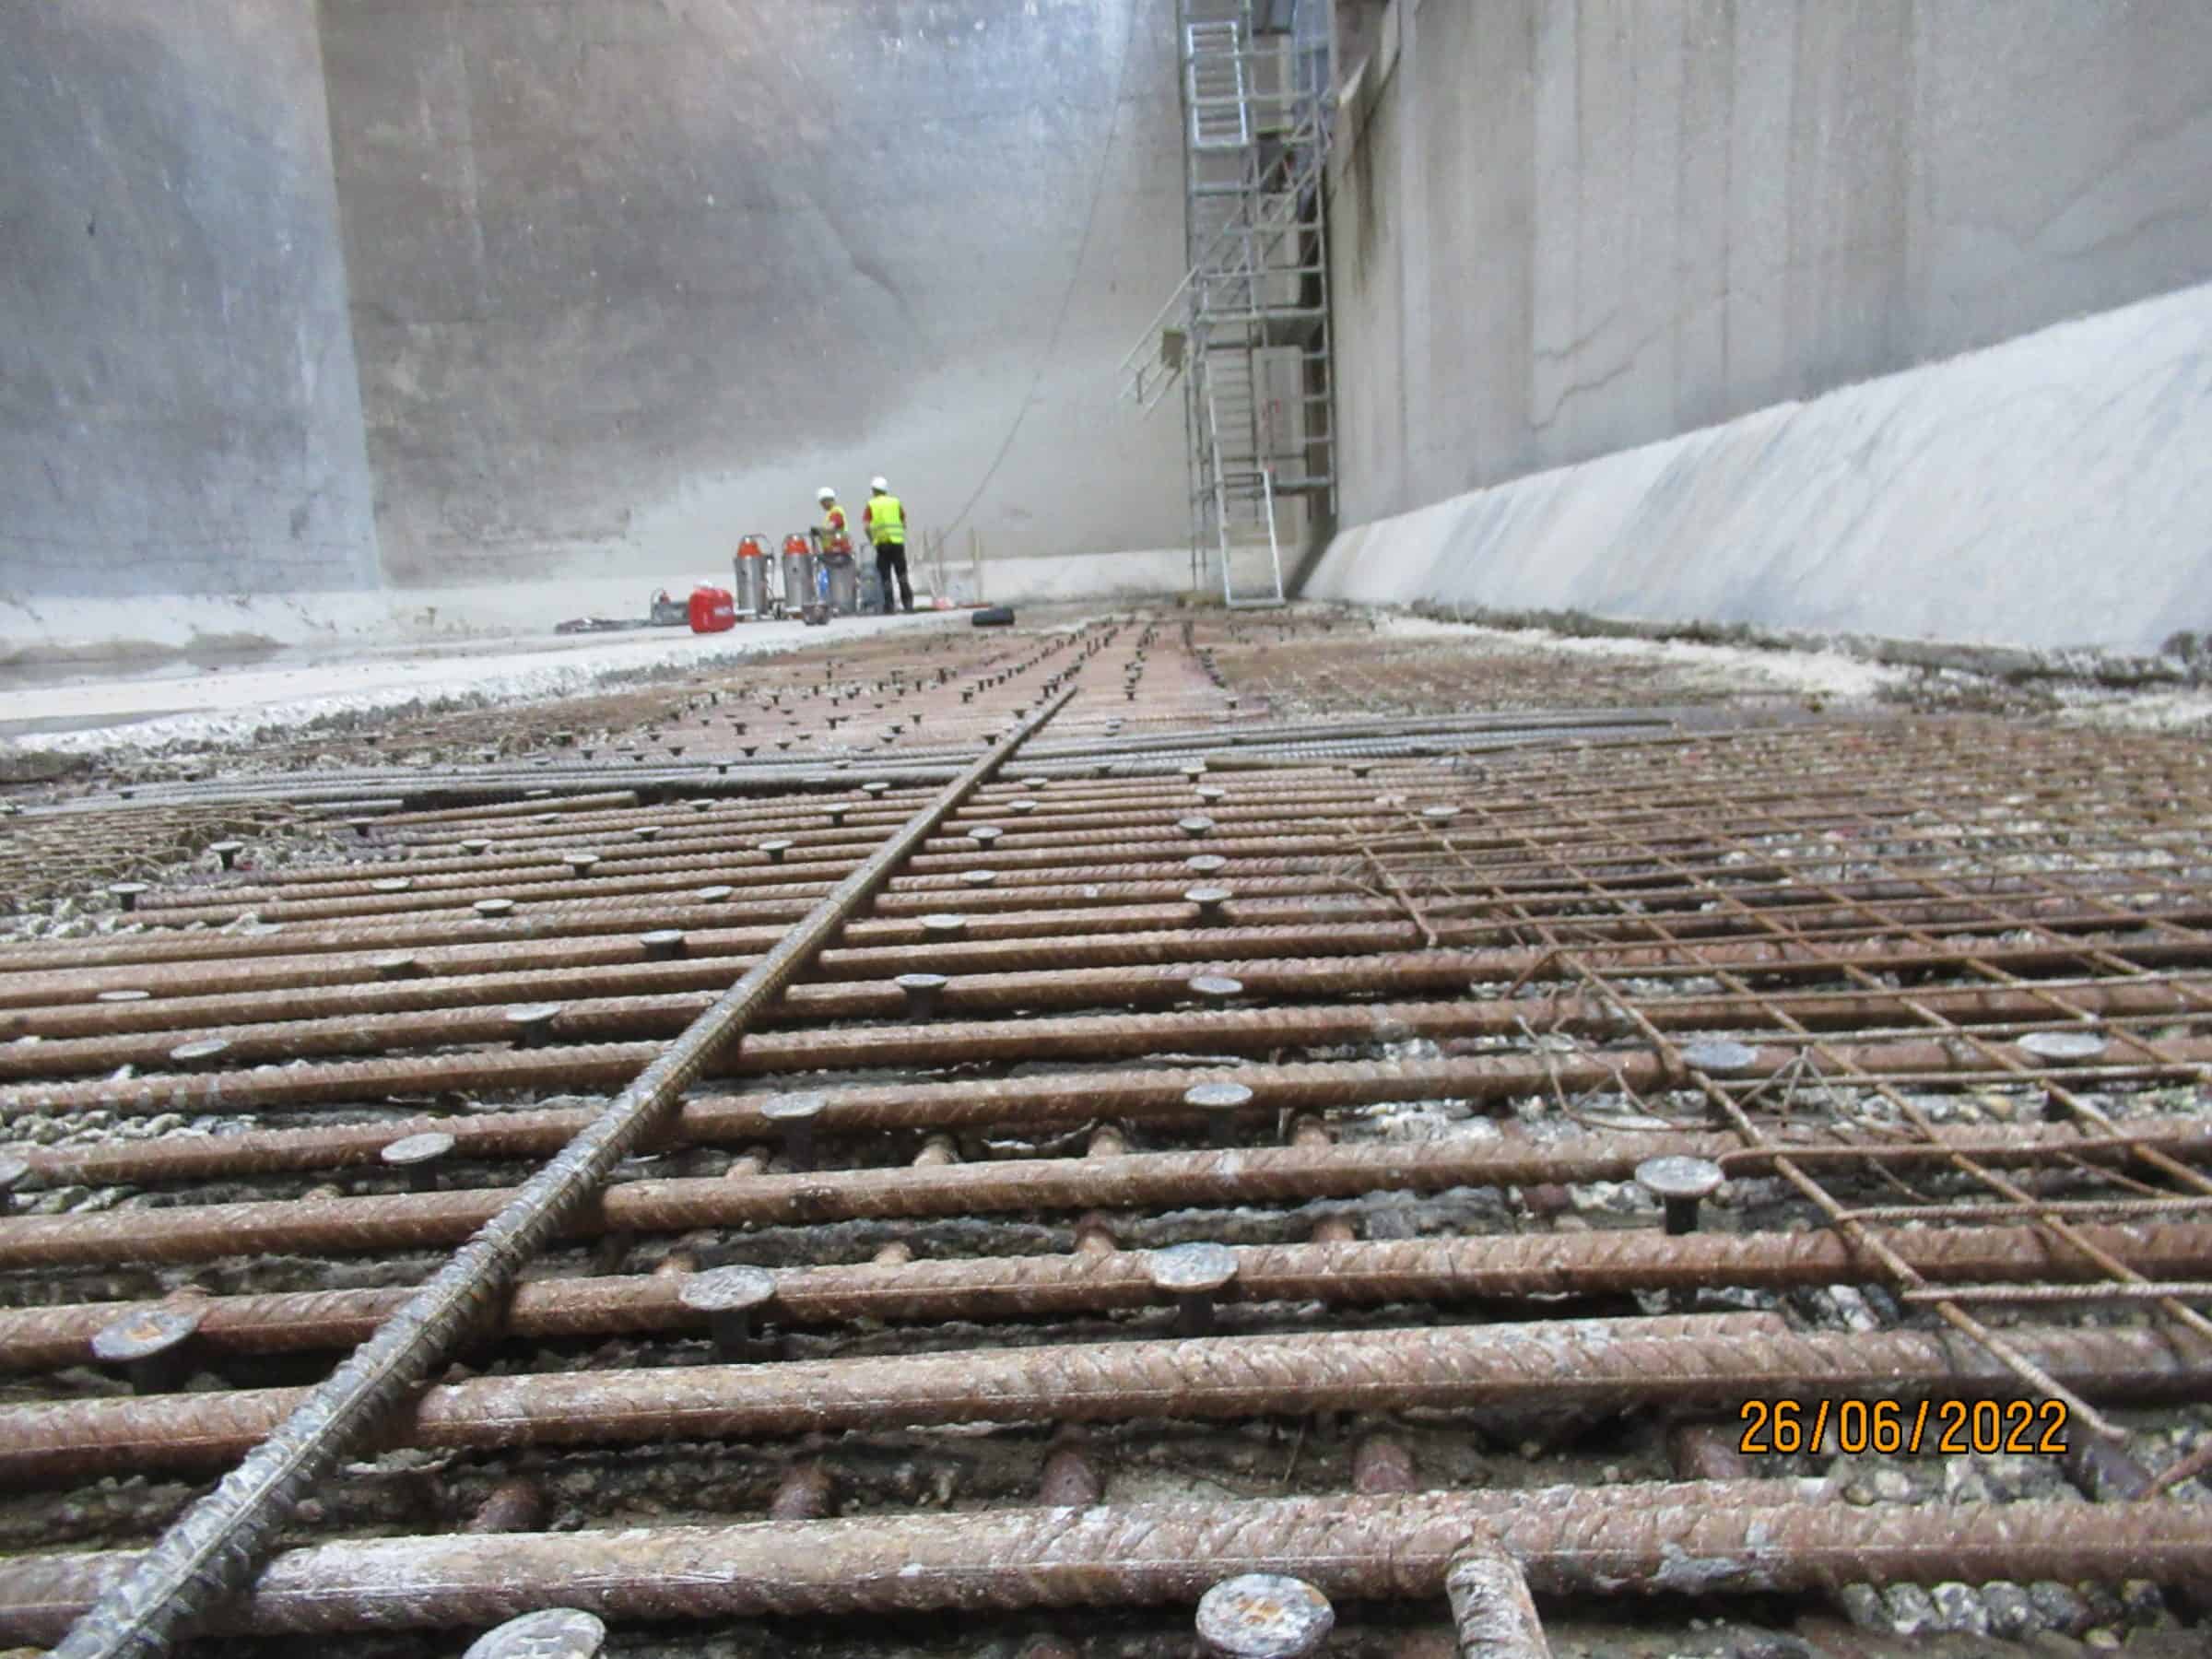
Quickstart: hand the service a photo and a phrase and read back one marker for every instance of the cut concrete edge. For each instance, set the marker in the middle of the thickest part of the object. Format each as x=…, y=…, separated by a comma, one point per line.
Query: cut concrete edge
x=2047, y=494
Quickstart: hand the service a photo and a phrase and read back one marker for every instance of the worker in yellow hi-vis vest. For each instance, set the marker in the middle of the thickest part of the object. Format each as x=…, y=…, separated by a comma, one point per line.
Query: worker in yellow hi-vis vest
x=885, y=522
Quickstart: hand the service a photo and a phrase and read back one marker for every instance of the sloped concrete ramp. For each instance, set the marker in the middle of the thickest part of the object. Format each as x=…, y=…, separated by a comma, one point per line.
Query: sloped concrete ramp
x=2052, y=491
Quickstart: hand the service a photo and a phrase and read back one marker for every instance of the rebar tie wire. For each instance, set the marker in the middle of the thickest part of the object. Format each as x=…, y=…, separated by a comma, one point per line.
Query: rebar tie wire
x=1904, y=1277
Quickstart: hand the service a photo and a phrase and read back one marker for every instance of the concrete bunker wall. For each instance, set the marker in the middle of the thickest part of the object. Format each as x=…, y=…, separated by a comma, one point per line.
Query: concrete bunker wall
x=1566, y=230
x=632, y=278
x=179, y=406
x=2050, y=493
x=440, y=294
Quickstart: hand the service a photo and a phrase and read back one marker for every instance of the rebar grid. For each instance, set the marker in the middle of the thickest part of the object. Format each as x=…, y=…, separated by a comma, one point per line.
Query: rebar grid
x=1882, y=914
x=1759, y=827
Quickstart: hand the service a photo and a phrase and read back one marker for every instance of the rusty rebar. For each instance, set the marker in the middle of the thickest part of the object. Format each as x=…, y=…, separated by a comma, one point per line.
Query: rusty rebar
x=1446, y=1271
x=1703, y=1539
x=1039, y=1100
x=208, y=1554
x=664, y=996
x=1137, y=1180
x=1065, y=1036
x=1493, y=1615
x=1710, y=1360
x=41, y=973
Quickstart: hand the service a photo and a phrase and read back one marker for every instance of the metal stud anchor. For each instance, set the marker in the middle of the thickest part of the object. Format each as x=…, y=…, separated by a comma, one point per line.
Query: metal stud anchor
x=227, y=851
x=492, y=908
x=152, y=1345
x=774, y=849
x=729, y=1297
x=2063, y=1048
x=1263, y=1616
x=532, y=1023
x=126, y=893
x=796, y=1115
x=1215, y=989
x=555, y=1633
x=1220, y=1100
x=923, y=993
x=1192, y=1274
x=1209, y=901
x=200, y=1055
x=1718, y=1057
x=1681, y=1184
x=417, y=1156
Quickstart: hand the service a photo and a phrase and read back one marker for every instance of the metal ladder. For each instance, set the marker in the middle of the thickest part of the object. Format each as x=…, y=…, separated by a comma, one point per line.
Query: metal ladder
x=1246, y=332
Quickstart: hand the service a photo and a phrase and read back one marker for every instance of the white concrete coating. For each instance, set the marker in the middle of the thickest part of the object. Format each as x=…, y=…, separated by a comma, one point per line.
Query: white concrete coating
x=2052, y=491
x=1812, y=673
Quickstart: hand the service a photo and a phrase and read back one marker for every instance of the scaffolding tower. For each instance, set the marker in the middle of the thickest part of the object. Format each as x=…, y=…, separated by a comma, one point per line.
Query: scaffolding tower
x=1247, y=334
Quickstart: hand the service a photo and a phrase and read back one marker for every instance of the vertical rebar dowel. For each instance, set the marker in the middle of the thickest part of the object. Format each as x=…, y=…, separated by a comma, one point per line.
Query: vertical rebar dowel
x=1492, y=1613
x=211, y=1550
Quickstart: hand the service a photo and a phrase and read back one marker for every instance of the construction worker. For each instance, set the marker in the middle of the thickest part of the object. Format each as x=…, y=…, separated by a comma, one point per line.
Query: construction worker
x=831, y=536
x=885, y=521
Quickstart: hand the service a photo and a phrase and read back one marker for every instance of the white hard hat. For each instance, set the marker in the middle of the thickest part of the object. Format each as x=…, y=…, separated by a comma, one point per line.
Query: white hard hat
x=824, y=494
x=879, y=484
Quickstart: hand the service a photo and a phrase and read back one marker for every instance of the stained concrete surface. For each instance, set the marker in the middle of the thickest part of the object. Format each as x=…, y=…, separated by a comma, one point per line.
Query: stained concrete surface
x=631, y=278
x=1562, y=230
x=179, y=409
x=2051, y=491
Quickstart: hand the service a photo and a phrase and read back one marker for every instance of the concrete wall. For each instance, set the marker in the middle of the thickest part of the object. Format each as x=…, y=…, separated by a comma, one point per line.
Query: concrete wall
x=179, y=410
x=633, y=277
x=2050, y=491
x=1563, y=228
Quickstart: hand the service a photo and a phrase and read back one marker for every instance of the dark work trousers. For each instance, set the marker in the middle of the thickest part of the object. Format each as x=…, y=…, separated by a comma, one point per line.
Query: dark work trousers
x=890, y=557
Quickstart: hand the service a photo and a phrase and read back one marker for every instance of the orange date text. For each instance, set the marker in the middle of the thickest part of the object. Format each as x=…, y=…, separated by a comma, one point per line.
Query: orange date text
x=1945, y=1428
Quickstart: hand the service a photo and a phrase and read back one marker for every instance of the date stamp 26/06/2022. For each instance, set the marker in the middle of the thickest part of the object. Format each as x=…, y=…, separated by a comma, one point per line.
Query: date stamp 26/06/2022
x=1943, y=1428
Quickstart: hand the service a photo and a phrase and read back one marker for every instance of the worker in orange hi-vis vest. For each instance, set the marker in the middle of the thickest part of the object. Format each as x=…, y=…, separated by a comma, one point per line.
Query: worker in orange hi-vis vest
x=884, y=518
